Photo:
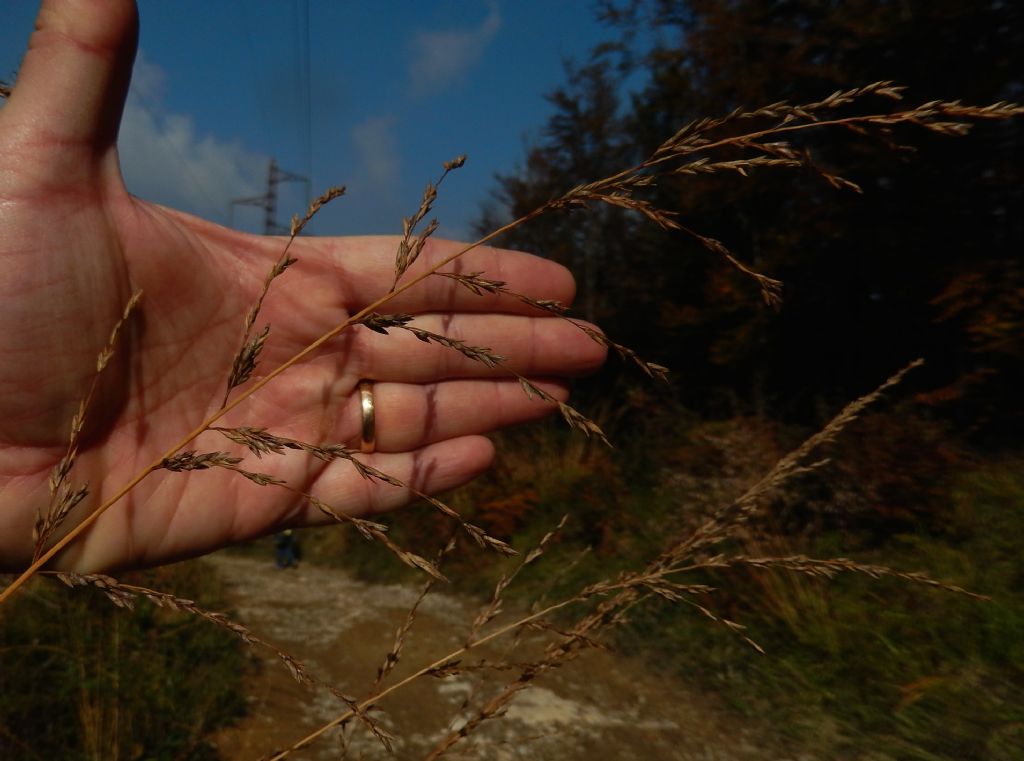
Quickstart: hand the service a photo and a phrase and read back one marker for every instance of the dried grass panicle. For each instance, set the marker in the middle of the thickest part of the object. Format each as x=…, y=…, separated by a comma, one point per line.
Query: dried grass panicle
x=650, y=369
x=573, y=417
x=368, y=529
x=884, y=88
x=494, y=708
x=493, y=608
x=580, y=422
x=829, y=568
x=728, y=519
x=653, y=580
x=393, y=655
x=260, y=441
x=476, y=533
x=456, y=163
x=763, y=150
x=794, y=463
x=556, y=656
x=63, y=496
x=480, y=285
x=110, y=347
x=480, y=354
x=245, y=361
x=771, y=289
x=740, y=166
x=260, y=479
x=732, y=626
x=299, y=223
x=380, y=323
x=411, y=559
x=485, y=540
x=257, y=440
x=944, y=117
x=449, y=664
x=189, y=460
x=411, y=245
x=690, y=137
x=542, y=625
x=620, y=194
x=659, y=576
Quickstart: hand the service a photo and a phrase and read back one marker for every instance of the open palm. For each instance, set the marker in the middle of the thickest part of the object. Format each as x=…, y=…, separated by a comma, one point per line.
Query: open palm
x=75, y=245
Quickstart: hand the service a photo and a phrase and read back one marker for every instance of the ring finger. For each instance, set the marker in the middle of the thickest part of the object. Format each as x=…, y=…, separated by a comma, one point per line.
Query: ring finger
x=408, y=416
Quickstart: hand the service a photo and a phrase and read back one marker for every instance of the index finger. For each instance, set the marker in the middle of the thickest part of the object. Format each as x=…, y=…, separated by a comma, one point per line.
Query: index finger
x=366, y=272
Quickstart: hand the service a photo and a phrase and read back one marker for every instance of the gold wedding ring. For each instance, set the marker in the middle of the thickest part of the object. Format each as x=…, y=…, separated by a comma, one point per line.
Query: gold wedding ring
x=368, y=438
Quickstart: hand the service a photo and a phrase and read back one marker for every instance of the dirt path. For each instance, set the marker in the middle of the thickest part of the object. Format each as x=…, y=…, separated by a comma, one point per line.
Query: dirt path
x=600, y=707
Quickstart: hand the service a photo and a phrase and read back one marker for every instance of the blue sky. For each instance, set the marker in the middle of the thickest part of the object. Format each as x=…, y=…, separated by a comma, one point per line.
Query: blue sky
x=397, y=87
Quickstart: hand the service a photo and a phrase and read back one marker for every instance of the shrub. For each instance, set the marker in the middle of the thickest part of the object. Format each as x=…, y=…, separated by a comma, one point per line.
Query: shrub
x=83, y=679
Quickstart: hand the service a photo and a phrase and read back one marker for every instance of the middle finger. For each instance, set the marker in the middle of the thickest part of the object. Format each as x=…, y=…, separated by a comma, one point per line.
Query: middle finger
x=501, y=343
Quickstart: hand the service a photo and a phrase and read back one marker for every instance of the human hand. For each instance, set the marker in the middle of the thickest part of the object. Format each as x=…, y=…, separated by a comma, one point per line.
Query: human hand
x=75, y=246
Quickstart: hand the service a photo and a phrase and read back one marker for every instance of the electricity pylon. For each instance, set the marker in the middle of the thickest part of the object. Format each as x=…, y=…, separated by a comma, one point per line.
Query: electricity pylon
x=268, y=201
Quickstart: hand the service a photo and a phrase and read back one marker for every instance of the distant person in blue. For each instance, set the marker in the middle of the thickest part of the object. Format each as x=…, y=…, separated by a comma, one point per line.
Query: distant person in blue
x=284, y=544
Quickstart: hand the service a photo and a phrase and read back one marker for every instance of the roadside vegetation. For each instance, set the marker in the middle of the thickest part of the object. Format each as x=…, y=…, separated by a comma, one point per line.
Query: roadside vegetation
x=84, y=680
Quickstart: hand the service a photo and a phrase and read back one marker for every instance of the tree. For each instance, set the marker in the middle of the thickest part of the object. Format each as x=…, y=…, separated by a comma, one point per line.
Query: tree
x=871, y=280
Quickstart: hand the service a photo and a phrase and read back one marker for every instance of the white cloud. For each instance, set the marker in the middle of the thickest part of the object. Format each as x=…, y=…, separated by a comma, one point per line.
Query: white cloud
x=147, y=79
x=441, y=58
x=377, y=148
x=165, y=159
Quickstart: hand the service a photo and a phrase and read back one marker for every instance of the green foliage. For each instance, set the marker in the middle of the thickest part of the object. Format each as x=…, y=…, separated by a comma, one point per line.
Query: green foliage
x=924, y=262
x=83, y=679
x=879, y=669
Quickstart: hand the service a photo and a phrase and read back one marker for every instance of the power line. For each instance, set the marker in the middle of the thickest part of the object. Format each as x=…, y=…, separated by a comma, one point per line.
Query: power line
x=306, y=88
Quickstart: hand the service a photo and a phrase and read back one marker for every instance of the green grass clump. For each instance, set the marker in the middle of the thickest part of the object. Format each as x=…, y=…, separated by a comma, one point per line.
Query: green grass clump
x=83, y=679
x=879, y=670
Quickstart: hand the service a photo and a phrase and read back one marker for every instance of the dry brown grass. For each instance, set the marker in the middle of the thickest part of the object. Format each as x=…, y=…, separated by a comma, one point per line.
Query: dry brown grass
x=760, y=138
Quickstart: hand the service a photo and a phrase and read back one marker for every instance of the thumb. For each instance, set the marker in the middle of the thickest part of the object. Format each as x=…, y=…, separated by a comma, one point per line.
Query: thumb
x=71, y=88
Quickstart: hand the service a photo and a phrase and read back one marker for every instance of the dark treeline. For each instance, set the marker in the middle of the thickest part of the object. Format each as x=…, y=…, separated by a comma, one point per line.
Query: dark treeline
x=926, y=262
